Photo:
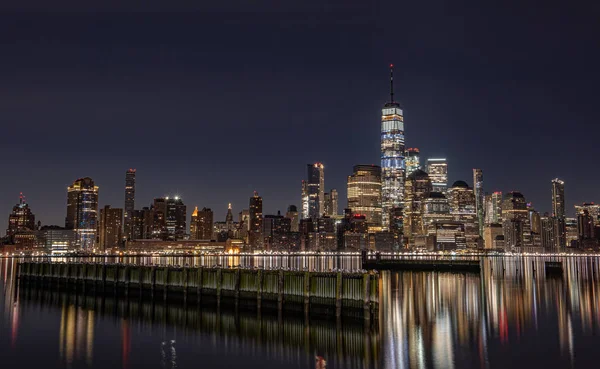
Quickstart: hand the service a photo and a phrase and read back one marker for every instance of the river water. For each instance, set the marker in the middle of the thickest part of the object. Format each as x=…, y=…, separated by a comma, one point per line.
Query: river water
x=510, y=315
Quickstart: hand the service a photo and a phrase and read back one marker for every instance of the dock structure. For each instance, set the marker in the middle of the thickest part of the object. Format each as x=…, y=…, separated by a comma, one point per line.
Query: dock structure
x=379, y=262
x=325, y=293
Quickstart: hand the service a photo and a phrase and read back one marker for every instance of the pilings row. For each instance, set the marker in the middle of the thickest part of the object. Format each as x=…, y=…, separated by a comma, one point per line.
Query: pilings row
x=339, y=290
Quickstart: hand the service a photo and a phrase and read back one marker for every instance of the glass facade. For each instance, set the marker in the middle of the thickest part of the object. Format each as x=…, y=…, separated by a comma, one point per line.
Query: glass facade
x=438, y=173
x=82, y=212
x=392, y=160
x=129, y=203
x=364, y=193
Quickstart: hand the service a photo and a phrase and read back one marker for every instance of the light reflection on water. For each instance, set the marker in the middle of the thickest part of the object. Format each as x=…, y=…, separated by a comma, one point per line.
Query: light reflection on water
x=510, y=314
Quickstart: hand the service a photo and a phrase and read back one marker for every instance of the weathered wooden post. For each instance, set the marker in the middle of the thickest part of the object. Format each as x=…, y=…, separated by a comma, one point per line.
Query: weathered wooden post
x=126, y=277
x=219, y=281
x=306, y=293
x=199, y=286
x=165, y=283
x=259, y=287
x=280, y=282
x=152, y=282
x=237, y=286
x=142, y=272
x=185, y=285
x=367, y=296
x=338, y=294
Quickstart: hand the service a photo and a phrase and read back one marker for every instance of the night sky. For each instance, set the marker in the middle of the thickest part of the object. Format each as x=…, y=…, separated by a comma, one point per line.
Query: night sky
x=211, y=102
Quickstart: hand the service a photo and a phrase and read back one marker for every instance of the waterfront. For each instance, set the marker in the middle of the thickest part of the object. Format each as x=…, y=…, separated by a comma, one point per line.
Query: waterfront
x=510, y=314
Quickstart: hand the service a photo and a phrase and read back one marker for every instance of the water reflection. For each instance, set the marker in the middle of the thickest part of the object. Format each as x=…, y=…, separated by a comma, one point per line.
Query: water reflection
x=510, y=314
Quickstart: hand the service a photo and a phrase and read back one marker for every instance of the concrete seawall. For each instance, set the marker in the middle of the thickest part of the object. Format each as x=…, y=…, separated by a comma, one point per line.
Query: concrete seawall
x=329, y=293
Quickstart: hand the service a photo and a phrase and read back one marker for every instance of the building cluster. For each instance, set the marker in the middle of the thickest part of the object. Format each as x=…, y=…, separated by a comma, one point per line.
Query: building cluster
x=402, y=204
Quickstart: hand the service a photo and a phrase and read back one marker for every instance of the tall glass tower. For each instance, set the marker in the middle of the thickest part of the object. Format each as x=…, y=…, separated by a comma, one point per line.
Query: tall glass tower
x=479, y=198
x=82, y=209
x=129, y=203
x=392, y=156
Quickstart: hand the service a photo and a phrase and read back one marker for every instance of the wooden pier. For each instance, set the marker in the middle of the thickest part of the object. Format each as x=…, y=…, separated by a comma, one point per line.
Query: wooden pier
x=328, y=293
x=379, y=262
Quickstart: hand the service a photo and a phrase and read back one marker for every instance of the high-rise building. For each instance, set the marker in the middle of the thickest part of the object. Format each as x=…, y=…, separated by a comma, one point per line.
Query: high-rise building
x=313, y=191
x=129, y=203
x=418, y=188
x=547, y=232
x=461, y=199
x=493, y=236
x=558, y=198
x=437, y=168
x=493, y=208
x=435, y=209
x=141, y=226
x=572, y=233
x=170, y=218
x=364, y=194
x=21, y=219
x=331, y=203
x=110, y=228
x=201, y=224
x=292, y=214
x=255, y=222
x=392, y=156
x=479, y=198
x=413, y=161
x=514, y=214
x=82, y=212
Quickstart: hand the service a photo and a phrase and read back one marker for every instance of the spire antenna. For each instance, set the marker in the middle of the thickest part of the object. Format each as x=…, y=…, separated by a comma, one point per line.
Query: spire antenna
x=392, y=82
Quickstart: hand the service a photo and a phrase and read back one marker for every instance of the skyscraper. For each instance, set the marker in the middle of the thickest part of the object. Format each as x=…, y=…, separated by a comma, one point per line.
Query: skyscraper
x=82, y=212
x=392, y=156
x=201, y=225
x=558, y=198
x=461, y=199
x=170, y=218
x=21, y=219
x=412, y=160
x=514, y=214
x=418, y=188
x=292, y=214
x=479, y=198
x=437, y=168
x=110, y=228
x=493, y=208
x=313, y=191
x=331, y=203
x=255, y=222
x=129, y=203
x=364, y=194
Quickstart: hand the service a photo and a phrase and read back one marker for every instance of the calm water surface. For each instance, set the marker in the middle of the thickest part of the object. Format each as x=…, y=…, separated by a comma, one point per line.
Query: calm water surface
x=510, y=315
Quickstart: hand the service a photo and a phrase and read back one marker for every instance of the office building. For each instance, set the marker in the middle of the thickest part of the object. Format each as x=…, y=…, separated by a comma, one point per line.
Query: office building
x=82, y=212
x=547, y=229
x=129, y=203
x=331, y=203
x=435, y=209
x=110, y=228
x=313, y=191
x=418, y=188
x=514, y=214
x=201, y=224
x=493, y=208
x=493, y=236
x=21, y=219
x=292, y=214
x=141, y=225
x=572, y=232
x=392, y=156
x=170, y=218
x=437, y=168
x=413, y=162
x=364, y=194
x=461, y=199
x=57, y=240
x=558, y=198
x=255, y=222
x=479, y=198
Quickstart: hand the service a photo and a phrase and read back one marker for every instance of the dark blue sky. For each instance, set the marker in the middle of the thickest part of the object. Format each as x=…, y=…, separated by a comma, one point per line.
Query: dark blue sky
x=213, y=102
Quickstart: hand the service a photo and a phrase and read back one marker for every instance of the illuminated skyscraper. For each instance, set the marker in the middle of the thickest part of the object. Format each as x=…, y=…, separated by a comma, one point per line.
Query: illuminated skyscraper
x=493, y=208
x=364, y=193
x=313, y=192
x=514, y=214
x=479, y=198
x=412, y=160
x=170, y=218
x=110, y=228
x=201, y=225
x=331, y=203
x=418, y=188
x=129, y=203
x=558, y=198
x=392, y=156
x=21, y=219
x=82, y=209
x=292, y=214
x=437, y=169
x=255, y=222
x=461, y=199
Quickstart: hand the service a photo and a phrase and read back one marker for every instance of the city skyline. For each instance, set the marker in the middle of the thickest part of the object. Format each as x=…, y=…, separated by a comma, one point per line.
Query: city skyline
x=127, y=87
